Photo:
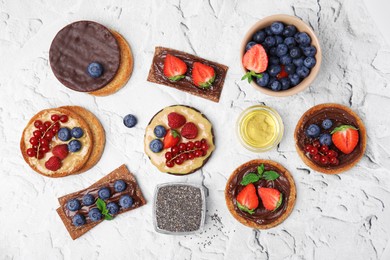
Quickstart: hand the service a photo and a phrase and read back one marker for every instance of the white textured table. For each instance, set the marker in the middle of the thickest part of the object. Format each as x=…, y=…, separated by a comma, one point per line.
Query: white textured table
x=343, y=216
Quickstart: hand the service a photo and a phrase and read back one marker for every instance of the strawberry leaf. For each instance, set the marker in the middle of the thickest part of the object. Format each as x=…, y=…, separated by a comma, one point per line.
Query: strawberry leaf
x=250, y=178
x=174, y=133
x=245, y=209
x=260, y=170
x=270, y=175
x=176, y=78
x=343, y=128
x=279, y=202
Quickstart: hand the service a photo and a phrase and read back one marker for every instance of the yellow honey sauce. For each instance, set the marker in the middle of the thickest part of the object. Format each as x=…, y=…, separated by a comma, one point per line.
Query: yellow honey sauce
x=260, y=128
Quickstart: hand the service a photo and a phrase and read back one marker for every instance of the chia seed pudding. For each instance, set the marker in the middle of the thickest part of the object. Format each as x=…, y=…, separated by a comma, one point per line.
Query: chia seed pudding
x=179, y=208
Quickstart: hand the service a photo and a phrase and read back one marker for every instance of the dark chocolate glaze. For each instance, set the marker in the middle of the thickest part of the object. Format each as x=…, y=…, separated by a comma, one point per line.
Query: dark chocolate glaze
x=213, y=92
x=130, y=190
x=338, y=117
x=261, y=215
x=75, y=47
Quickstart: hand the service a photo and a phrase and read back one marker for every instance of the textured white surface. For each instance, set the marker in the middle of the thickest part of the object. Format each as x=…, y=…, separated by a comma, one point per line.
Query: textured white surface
x=336, y=217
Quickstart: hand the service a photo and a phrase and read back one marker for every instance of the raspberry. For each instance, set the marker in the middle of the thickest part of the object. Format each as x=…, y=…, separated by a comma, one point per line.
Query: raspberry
x=53, y=164
x=189, y=130
x=176, y=120
x=61, y=151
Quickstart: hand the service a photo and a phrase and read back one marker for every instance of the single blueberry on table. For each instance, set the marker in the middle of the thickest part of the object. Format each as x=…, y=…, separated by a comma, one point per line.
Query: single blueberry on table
x=119, y=185
x=74, y=146
x=112, y=208
x=327, y=124
x=95, y=69
x=313, y=131
x=274, y=70
x=73, y=205
x=125, y=201
x=104, y=193
x=298, y=62
x=263, y=81
x=156, y=145
x=78, y=220
x=326, y=139
x=285, y=60
x=249, y=45
x=88, y=199
x=302, y=71
x=276, y=86
x=309, y=51
x=309, y=62
x=294, y=79
x=295, y=52
x=289, y=31
x=285, y=83
x=130, y=121
x=290, y=42
x=160, y=131
x=77, y=132
x=95, y=214
x=277, y=28
x=64, y=134
x=290, y=68
x=302, y=38
x=281, y=50
x=259, y=36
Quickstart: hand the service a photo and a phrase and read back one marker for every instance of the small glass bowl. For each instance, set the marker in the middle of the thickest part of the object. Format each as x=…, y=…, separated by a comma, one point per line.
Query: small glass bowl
x=243, y=121
x=203, y=213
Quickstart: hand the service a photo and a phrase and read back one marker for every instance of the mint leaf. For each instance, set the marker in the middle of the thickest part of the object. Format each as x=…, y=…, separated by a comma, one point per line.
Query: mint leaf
x=101, y=205
x=279, y=202
x=245, y=209
x=108, y=217
x=250, y=178
x=270, y=175
x=260, y=170
x=105, y=211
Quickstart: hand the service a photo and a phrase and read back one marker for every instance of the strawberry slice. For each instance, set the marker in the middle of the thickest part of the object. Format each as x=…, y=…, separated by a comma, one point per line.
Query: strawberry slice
x=256, y=61
x=174, y=68
x=345, y=138
x=247, y=199
x=171, y=138
x=271, y=198
x=202, y=75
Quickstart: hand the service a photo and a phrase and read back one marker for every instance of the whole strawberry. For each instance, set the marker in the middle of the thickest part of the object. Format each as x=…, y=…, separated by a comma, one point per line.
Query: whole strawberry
x=175, y=120
x=345, y=138
x=189, y=130
x=53, y=164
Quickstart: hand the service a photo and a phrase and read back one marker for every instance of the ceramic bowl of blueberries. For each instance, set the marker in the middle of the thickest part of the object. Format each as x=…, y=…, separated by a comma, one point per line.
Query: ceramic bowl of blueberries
x=292, y=50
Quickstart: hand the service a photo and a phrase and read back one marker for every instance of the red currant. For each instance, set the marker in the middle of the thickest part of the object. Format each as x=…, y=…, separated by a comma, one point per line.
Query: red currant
x=182, y=147
x=42, y=128
x=170, y=164
x=47, y=124
x=334, y=161
x=203, y=141
x=49, y=135
x=55, y=117
x=37, y=123
x=205, y=147
x=44, y=142
x=178, y=161
x=64, y=118
x=317, y=144
x=44, y=149
x=33, y=140
x=168, y=155
x=324, y=160
x=54, y=130
x=197, y=144
x=190, y=145
x=37, y=133
x=31, y=152
x=198, y=153
x=191, y=156
x=316, y=157
x=183, y=156
x=324, y=148
x=313, y=150
x=174, y=150
x=308, y=147
x=40, y=155
x=35, y=146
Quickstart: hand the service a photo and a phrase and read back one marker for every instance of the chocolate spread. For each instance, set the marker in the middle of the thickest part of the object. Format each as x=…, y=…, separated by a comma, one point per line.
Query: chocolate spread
x=75, y=47
x=156, y=74
x=130, y=190
x=338, y=117
x=261, y=215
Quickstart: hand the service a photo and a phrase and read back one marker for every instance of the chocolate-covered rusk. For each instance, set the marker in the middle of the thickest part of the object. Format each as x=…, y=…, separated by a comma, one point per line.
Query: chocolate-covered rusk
x=330, y=138
x=85, y=56
x=188, y=73
x=116, y=193
x=260, y=194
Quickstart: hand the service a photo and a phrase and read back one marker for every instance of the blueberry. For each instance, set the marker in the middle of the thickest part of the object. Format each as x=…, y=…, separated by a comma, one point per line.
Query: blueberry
x=119, y=185
x=259, y=36
x=290, y=42
x=277, y=28
x=295, y=52
x=95, y=214
x=281, y=50
x=298, y=62
x=73, y=204
x=263, y=81
x=309, y=62
x=249, y=45
x=104, y=193
x=78, y=220
x=290, y=68
x=130, y=121
x=285, y=83
x=270, y=41
x=286, y=59
x=313, y=131
x=271, y=80
x=294, y=79
x=74, y=146
x=326, y=139
x=95, y=69
x=274, y=70
x=279, y=39
x=156, y=145
x=303, y=72
x=302, y=38
x=289, y=31
x=276, y=86
x=160, y=131
x=268, y=31
x=77, y=132
x=64, y=134
x=112, y=208
x=309, y=51
x=327, y=123
x=272, y=51
x=88, y=199
x=126, y=201
x=273, y=60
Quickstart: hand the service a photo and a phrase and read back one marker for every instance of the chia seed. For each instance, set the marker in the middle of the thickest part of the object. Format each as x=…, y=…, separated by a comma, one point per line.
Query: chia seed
x=179, y=208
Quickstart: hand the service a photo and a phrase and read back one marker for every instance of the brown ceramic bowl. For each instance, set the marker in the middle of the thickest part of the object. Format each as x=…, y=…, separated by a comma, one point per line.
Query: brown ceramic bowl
x=302, y=27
